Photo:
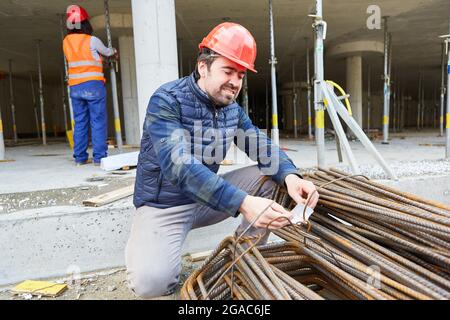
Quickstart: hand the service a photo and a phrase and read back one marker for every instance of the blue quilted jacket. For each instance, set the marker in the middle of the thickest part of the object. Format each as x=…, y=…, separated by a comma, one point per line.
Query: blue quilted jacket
x=185, y=137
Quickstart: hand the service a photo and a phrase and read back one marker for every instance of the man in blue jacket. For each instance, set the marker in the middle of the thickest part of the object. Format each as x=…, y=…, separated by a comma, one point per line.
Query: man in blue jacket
x=189, y=127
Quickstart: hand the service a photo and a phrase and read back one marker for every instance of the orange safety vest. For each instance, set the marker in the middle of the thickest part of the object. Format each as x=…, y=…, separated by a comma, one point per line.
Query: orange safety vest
x=82, y=65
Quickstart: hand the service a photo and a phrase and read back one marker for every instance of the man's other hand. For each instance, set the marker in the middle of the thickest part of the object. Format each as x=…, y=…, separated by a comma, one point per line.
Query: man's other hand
x=252, y=206
x=300, y=189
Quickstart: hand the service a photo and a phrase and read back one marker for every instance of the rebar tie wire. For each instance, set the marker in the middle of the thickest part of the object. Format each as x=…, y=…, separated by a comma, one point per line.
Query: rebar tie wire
x=303, y=234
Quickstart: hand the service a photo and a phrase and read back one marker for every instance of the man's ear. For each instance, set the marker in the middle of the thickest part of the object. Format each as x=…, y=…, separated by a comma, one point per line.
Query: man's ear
x=201, y=66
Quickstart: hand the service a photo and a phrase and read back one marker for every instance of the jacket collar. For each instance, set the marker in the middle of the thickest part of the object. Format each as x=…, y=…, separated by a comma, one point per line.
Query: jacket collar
x=199, y=93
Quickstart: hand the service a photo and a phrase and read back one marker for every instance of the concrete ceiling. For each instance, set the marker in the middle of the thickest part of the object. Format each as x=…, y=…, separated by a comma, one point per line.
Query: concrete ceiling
x=415, y=25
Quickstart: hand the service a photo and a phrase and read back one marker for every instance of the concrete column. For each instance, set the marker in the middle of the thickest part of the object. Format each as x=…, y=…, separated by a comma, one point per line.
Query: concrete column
x=155, y=43
x=354, y=86
x=129, y=90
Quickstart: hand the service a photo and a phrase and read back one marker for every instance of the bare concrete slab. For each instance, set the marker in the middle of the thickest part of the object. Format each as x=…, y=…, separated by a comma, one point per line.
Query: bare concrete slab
x=54, y=239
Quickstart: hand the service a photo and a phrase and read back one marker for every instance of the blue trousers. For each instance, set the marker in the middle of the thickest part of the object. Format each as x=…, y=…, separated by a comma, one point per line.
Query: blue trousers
x=89, y=110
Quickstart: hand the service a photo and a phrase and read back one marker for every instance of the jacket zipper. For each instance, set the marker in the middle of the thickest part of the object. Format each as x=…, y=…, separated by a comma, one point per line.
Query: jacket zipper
x=215, y=116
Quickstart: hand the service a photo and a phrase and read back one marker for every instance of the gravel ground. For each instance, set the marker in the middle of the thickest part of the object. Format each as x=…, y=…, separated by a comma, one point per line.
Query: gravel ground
x=12, y=202
x=402, y=169
x=103, y=285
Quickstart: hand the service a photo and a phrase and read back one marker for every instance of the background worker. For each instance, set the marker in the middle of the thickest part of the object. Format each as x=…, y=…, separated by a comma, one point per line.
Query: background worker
x=189, y=127
x=87, y=85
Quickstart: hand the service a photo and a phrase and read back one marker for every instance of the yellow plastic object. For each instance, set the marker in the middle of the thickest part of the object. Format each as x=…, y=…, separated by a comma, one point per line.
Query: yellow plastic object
x=347, y=102
x=44, y=288
x=69, y=134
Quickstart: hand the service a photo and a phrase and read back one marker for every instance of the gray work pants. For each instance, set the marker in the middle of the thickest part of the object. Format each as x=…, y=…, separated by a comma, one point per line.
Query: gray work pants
x=153, y=251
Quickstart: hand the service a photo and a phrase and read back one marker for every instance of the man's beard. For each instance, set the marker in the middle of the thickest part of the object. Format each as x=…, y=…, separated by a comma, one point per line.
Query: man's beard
x=220, y=100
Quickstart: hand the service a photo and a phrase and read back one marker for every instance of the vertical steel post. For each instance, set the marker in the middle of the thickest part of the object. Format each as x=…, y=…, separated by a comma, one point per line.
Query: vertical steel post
x=2, y=141
x=180, y=58
x=319, y=29
x=267, y=107
x=447, y=115
x=41, y=94
x=441, y=118
x=422, y=109
x=11, y=100
x=245, y=94
x=294, y=97
x=387, y=84
x=34, y=107
x=419, y=101
x=308, y=95
x=273, y=62
x=368, y=101
x=63, y=95
x=66, y=74
x=117, y=125
x=394, y=107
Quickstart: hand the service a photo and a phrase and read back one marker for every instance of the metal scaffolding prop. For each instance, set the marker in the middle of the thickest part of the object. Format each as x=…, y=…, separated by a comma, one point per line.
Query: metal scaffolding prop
x=387, y=82
x=69, y=133
x=117, y=126
x=308, y=94
x=320, y=29
x=447, y=115
x=365, y=241
x=41, y=94
x=369, y=97
x=63, y=97
x=294, y=98
x=419, y=101
x=273, y=61
x=36, y=118
x=245, y=94
x=442, y=96
x=325, y=98
x=11, y=100
x=2, y=140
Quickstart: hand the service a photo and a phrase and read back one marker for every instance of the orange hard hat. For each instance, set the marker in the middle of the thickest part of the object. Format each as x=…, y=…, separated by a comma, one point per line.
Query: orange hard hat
x=76, y=14
x=234, y=42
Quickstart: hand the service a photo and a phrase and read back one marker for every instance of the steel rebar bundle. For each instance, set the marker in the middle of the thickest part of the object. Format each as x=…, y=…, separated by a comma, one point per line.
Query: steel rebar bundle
x=364, y=241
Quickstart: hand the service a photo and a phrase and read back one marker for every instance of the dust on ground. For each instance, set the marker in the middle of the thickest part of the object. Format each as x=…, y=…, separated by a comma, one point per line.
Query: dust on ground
x=102, y=285
x=94, y=186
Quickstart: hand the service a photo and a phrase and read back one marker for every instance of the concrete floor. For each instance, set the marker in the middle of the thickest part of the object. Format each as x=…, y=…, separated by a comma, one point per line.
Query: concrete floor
x=46, y=236
x=37, y=167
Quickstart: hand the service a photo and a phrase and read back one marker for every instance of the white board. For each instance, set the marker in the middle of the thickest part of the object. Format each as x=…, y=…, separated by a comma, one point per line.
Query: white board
x=119, y=161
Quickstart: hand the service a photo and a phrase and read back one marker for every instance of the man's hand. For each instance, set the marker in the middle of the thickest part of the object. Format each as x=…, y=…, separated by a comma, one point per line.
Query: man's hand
x=251, y=207
x=115, y=55
x=300, y=189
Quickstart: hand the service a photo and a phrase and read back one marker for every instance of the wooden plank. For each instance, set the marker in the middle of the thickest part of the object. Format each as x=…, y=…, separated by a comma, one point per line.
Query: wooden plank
x=109, y=197
x=199, y=256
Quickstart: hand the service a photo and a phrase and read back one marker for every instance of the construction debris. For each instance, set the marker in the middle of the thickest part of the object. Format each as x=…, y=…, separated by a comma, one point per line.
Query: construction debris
x=119, y=161
x=38, y=288
x=109, y=197
x=199, y=256
x=364, y=241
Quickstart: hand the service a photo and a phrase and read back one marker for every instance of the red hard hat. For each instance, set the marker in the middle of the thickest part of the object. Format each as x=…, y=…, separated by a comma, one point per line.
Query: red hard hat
x=234, y=42
x=76, y=14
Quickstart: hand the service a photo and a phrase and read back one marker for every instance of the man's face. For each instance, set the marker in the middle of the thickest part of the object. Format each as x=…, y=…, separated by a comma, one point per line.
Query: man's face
x=223, y=81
